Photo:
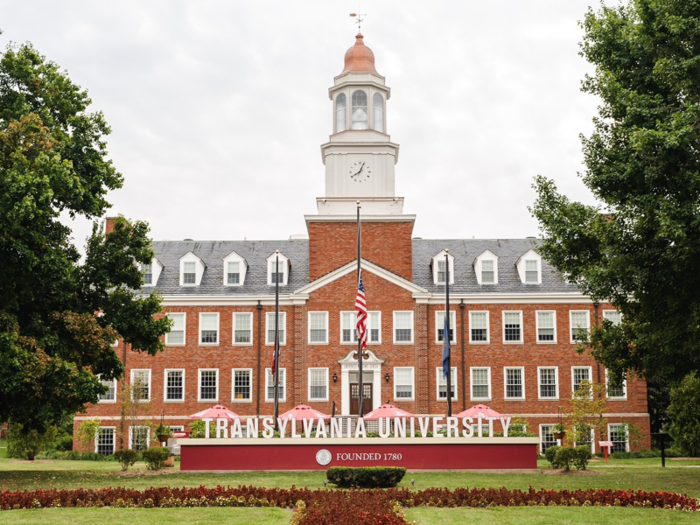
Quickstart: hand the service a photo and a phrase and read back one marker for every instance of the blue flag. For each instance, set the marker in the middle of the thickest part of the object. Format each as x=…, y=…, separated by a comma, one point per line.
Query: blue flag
x=445, y=348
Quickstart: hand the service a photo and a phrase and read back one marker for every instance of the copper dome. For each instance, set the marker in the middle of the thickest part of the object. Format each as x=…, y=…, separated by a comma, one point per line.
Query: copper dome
x=359, y=57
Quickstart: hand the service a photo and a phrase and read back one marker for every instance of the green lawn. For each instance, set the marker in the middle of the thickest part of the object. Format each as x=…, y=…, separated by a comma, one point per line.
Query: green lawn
x=679, y=476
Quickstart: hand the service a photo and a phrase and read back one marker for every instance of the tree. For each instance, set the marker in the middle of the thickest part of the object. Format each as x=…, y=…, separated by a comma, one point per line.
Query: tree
x=59, y=315
x=684, y=412
x=585, y=413
x=638, y=249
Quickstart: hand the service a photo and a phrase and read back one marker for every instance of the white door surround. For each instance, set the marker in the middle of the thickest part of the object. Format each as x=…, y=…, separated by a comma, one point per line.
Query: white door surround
x=370, y=364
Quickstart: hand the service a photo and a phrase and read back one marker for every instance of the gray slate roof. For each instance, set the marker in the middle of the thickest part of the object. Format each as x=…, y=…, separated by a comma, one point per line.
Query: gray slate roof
x=256, y=253
x=465, y=251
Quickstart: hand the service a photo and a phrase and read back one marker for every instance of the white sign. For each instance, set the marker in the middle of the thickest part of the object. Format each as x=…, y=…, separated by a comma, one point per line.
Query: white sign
x=341, y=427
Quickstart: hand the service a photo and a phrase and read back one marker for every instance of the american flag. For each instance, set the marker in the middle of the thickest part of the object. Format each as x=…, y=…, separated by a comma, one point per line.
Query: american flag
x=361, y=307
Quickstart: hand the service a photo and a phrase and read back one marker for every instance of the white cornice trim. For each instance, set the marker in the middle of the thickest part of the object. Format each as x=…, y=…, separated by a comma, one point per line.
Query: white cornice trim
x=366, y=266
x=228, y=300
x=510, y=298
x=365, y=218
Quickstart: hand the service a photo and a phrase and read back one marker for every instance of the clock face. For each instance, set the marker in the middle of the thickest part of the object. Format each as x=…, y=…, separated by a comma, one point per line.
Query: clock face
x=360, y=171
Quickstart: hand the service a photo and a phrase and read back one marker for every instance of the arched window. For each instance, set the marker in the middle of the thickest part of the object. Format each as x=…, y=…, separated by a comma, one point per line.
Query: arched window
x=340, y=113
x=378, y=112
x=359, y=110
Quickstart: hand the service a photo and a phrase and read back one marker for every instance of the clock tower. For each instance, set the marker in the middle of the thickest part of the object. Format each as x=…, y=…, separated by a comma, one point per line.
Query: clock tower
x=359, y=157
x=360, y=160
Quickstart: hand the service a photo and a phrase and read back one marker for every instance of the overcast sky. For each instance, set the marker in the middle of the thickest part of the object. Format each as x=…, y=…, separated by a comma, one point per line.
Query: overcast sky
x=218, y=108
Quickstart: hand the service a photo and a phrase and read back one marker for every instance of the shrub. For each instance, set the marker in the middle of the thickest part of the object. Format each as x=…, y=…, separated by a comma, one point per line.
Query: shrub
x=64, y=443
x=155, y=457
x=551, y=455
x=564, y=457
x=26, y=444
x=365, y=477
x=582, y=455
x=126, y=457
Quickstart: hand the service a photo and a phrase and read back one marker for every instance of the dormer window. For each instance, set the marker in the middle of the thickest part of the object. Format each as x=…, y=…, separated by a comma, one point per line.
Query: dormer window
x=439, y=266
x=147, y=270
x=191, y=270
x=235, y=268
x=341, y=105
x=486, y=268
x=530, y=268
x=359, y=110
x=189, y=273
x=532, y=275
x=277, y=272
x=488, y=275
x=151, y=272
x=378, y=112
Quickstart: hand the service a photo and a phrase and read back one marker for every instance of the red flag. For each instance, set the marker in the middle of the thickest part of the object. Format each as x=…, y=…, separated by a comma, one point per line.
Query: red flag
x=361, y=307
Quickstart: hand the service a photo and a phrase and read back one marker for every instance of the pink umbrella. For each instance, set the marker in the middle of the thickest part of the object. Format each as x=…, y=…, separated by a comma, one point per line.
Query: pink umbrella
x=474, y=412
x=216, y=412
x=387, y=411
x=300, y=412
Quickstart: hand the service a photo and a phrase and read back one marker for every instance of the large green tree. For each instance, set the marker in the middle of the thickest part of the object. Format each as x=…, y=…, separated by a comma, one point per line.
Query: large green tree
x=60, y=313
x=640, y=247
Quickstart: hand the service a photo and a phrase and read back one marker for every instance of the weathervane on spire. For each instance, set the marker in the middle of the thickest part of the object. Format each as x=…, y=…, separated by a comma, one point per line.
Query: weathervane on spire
x=359, y=18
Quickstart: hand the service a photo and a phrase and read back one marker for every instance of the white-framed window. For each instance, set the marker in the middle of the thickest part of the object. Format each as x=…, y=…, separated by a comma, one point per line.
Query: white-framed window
x=374, y=335
x=147, y=271
x=546, y=326
x=341, y=105
x=442, y=383
x=208, y=385
x=318, y=327
x=614, y=316
x=403, y=327
x=110, y=396
x=378, y=112
x=242, y=385
x=440, y=326
x=174, y=387
x=579, y=374
x=580, y=321
x=105, y=440
x=277, y=273
x=480, y=382
x=242, y=328
x=478, y=327
x=141, y=384
x=513, y=327
x=176, y=336
x=486, y=268
x=270, y=385
x=616, y=390
x=529, y=267
x=235, y=268
x=547, y=438
x=440, y=267
x=270, y=328
x=617, y=433
x=191, y=270
x=348, y=327
x=139, y=438
x=359, y=110
x=404, y=383
x=548, y=382
x=318, y=384
x=209, y=328
x=585, y=436
x=514, y=382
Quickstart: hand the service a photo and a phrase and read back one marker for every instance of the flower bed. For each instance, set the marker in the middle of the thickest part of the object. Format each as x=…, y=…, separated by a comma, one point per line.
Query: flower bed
x=318, y=506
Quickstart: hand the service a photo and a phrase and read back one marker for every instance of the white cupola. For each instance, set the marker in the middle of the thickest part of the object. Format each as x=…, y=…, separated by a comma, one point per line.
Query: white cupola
x=359, y=156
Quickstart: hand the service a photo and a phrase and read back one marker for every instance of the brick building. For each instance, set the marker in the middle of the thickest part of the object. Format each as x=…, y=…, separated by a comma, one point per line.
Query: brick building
x=515, y=321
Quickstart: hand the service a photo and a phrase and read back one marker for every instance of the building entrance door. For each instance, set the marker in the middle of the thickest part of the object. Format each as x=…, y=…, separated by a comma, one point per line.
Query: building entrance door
x=355, y=398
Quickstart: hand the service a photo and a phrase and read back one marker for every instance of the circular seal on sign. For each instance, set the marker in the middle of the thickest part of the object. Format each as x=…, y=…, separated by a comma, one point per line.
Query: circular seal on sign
x=323, y=457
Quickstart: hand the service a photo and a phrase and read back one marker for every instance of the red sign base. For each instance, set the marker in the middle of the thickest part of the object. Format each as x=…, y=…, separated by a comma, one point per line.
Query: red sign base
x=320, y=454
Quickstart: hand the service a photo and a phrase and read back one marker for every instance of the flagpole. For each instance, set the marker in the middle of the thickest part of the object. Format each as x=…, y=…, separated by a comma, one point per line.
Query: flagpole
x=360, y=393
x=446, y=335
x=276, y=370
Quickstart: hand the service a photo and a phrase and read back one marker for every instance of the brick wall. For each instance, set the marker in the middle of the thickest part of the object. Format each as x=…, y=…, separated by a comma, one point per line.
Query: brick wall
x=334, y=244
